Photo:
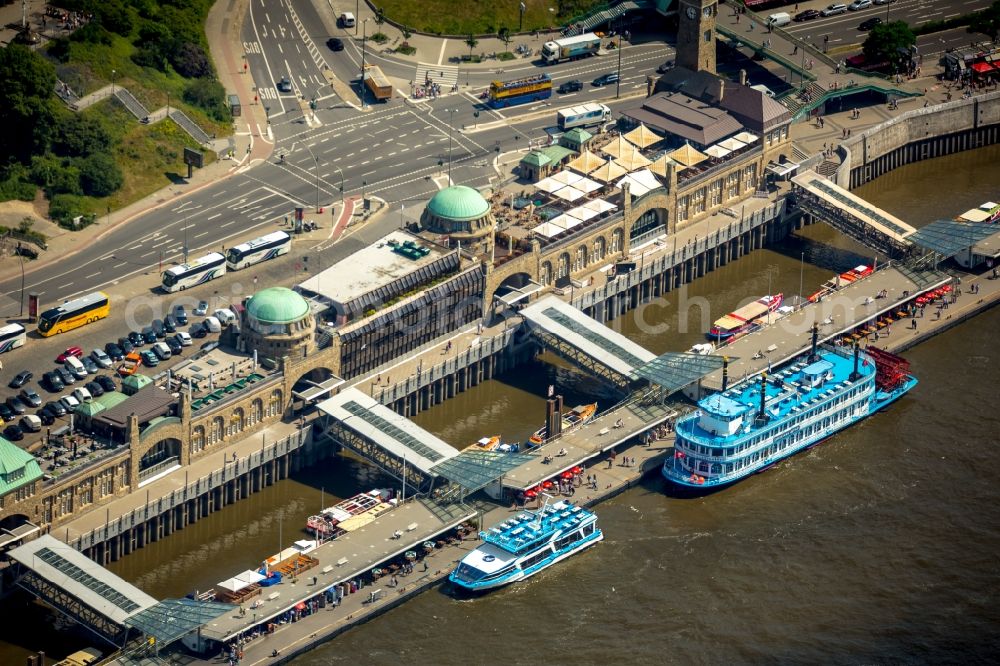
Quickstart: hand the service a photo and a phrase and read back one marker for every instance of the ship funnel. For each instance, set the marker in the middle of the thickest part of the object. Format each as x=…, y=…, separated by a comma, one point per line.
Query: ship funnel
x=725, y=373
x=857, y=354
x=813, y=357
x=761, y=414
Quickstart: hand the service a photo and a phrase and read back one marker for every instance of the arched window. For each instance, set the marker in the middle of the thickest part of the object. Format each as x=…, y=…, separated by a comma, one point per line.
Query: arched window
x=616, y=241
x=274, y=403
x=256, y=411
x=546, y=276
x=563, y=269
x=581, y=258
x=600, y=249
x=236, y=421
x=197, y=439
x=217, y=432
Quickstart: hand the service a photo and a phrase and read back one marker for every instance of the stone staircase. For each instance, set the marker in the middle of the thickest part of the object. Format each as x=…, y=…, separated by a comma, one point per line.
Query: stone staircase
x=795, y=103
x=133, y=106
x=827, y=168
x=602, y=15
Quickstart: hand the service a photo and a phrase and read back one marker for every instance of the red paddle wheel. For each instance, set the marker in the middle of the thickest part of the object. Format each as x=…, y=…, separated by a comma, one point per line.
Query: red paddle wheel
x=890, y=370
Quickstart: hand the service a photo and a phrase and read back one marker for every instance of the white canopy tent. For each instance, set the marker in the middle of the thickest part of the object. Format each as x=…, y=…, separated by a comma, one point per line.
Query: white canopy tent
x=716, y=151
x=549, y=185
x=746, y=137
x=640, y=182
x=568, y=193
x=241, y=581
x=566, y=177
x=600, y=205
x=732, y=143
x=582, y=213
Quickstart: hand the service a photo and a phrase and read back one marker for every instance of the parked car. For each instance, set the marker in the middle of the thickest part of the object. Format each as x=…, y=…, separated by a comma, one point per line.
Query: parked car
x=76, y=367
x=859, y=4
x=149, y=335
x=149, y=358
x=69, y=402
x=17, y=405
x=53, y=381
x=174, y=345
x=106, y=383
x=884, y=2
x=161, y=350
x=665, y=67
x=126, y=344
x=570, y=86
x=20, y=379
x=6, y=413
x=30, y=396
x=184, y=338
x=605, y=79
x=202, y=309
x=89, y=365
x=868, y=24
x=30, y=423
x=66, y=376
x=82, y=394
x=212, y=324
x=158, y=328
x=55, y=408
x=198, y=330
x=95, y=388
x=71, y=351
x=807, y=15
x=135, y=337
x=834, y=9
x=13, y=433
x=101, y=358
x=225, y=316
x=45, y=416
x=169, y=324
x=114, y=352
x=180, y=315
x=335, y=44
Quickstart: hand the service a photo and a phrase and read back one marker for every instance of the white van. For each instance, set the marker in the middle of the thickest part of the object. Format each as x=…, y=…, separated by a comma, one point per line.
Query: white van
x=74, y=365
x=82, y=395
x=225, y=316
x=31, y=423
x=346, y=20
x=161, y=350
x=212, y=324
x=779, y=19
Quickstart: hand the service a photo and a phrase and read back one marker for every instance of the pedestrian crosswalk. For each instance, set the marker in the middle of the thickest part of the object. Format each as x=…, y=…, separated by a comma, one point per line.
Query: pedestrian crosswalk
x=445, y=76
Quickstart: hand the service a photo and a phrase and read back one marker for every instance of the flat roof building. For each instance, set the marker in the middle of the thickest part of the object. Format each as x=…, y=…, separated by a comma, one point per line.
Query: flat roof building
x=396, y=264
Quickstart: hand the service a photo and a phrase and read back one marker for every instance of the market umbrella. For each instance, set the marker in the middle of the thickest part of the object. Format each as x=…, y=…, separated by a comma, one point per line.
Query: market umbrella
x=617, y=147
x=643, y=137
x=567, y=474
x=300, y=606
x=634, y=160
x=746, y=137
x=577, y=470
x=608, y=172
x=687, y=155
x=586, y=162
x=717, y=151
x=659, y=165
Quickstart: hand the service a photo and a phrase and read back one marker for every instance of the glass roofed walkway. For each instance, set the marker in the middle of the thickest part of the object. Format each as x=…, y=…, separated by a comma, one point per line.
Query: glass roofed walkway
x=570, y=333
x=852, y=215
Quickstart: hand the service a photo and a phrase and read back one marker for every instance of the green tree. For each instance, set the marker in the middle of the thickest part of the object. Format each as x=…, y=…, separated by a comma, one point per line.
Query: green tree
x=504, y=34
x=190, y=61
x=987, y=21
x=888, y=42
x=207, y=94
x=25, y=113
x=79, y=135
x=64, y=207
x=379, y=16
x=115, y=16
x=100, y=175
x=472, y=43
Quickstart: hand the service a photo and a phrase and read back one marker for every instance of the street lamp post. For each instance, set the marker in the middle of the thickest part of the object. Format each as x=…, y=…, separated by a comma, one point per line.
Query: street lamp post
x=21, y=257
x=451, y=130
x=357, y=11
x=340, y=171
x=520, y=22
x=618, y=83
x=364, y=37
x=802, y=262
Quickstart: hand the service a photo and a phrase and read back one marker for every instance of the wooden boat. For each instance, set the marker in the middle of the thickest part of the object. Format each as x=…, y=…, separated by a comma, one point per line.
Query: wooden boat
x=745, y=318
x=987, y=213
x=840, y=281
x=571, y=419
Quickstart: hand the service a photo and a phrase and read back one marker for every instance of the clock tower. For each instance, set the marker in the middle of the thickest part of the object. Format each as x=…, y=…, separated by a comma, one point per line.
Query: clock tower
x=696, y=35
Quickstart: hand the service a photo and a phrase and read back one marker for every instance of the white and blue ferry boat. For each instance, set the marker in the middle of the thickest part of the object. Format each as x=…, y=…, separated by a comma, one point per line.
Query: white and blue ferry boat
x=523, y=545
x=749, y=427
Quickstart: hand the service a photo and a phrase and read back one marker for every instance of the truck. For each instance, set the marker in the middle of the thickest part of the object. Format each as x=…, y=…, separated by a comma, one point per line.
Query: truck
x=570, y=48
x=377, y=82
x=130, y=364
x=583, y=115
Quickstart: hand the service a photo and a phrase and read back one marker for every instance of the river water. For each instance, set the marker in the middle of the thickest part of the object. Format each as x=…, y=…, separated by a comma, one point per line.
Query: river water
x=877, y=546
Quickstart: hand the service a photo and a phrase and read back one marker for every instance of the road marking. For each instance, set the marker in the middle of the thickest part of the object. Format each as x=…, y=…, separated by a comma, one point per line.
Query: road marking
x=444, y=44
x=92, y=275
x=197, y=235
x=124, y=263
x=229, y=223
x=212, y=218
x=145, y=255
x=63, y=286
x=163, y=242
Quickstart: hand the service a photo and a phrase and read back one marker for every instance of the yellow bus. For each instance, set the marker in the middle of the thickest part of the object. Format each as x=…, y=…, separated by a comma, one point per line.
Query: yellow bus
x=72, y=314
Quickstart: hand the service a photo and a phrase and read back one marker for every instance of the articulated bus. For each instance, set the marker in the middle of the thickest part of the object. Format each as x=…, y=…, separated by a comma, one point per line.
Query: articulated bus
x=199, y=271
x=12, y=336
x=259, y=249
x=72, y=314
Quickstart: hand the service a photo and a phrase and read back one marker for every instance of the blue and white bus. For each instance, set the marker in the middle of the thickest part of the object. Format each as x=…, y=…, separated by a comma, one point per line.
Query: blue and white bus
x=259, y=249
x=12, y=336
x=199, y=271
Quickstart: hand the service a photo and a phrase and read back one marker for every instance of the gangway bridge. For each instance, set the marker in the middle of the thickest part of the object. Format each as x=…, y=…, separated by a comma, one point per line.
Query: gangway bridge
x=848, y=213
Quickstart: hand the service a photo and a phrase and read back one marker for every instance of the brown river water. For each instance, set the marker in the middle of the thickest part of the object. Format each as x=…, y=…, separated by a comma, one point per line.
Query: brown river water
x=876, y=547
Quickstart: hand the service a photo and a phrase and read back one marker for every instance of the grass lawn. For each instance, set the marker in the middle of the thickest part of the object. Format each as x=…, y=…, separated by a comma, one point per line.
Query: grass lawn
x=150, y=156
x=480, y=17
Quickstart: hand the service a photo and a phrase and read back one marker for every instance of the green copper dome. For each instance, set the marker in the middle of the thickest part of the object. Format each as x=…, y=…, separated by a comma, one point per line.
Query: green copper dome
x=277, y=305
x=458, y=202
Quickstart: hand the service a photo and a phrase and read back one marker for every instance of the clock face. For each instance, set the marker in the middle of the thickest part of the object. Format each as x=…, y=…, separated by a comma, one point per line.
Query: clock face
x=707, y=11
x=692, y=12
